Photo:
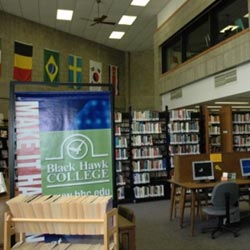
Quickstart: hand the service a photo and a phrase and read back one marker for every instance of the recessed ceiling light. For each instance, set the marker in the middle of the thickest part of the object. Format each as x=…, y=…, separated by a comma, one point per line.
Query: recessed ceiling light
x=139, y=2
x=64, y=14
x=127, y=20
x=116, y=35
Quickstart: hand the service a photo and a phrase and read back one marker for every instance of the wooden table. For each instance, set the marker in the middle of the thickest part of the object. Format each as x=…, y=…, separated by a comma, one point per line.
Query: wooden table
x=193, y=187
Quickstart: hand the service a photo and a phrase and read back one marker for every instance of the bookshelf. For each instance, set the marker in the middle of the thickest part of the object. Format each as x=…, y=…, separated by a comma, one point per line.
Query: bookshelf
x=184, y=131
x=101, y=223
x=149, y=155
x=241, y=130
x=4, y=152
x=212, y=130
x=122, y=156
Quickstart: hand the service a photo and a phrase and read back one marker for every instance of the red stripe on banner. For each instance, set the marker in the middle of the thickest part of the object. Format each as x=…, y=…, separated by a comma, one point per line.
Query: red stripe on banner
x=114, y=77
x=22, y=74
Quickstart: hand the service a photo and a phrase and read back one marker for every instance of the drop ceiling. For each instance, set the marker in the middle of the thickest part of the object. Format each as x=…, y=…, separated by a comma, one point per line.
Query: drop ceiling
x=138, y=37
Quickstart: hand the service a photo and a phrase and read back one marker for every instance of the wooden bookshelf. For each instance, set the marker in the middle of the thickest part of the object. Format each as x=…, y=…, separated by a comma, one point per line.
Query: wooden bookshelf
x=226, y=129
x=102, y=222
x=212, y=126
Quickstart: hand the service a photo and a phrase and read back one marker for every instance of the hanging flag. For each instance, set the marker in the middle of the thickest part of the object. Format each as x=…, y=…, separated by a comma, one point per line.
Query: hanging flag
x=75, y=70
x=22, y=61
x=95, y=72
x=51, y=66
x=0, y=57
x=113, y=78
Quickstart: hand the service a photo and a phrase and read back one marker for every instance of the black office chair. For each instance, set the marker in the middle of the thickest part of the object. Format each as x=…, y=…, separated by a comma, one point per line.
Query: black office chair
x=225, y=204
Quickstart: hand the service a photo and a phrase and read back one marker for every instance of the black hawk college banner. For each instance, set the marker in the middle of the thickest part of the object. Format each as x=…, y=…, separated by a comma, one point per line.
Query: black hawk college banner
x=64, y=143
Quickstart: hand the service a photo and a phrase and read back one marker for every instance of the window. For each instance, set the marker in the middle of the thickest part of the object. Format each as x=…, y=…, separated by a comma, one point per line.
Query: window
x=230, y=19
x=197, y=38
x=221, y=20
x=171, y=54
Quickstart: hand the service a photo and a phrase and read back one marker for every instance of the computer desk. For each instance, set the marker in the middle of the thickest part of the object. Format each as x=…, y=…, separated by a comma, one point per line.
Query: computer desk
x=193, y=187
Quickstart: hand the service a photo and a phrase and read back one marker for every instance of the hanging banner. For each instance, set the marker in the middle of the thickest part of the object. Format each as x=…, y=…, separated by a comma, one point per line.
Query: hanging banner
x=64, y=143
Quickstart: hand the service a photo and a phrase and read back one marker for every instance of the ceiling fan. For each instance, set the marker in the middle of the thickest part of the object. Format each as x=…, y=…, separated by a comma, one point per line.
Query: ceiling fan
x=99, y=19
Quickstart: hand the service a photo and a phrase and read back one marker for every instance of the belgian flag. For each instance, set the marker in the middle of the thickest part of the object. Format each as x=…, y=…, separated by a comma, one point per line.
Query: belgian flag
x=22, y=62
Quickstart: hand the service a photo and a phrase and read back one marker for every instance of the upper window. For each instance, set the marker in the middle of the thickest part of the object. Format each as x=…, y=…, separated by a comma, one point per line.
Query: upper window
x=230, y=19
x=218, y=22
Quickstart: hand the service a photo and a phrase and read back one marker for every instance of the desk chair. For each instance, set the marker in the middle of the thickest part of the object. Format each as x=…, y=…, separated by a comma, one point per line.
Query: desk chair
x=224, y=199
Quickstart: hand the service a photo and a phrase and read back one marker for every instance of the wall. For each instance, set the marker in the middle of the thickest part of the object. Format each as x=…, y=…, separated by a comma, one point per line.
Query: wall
x=13, y=28
x=230, y=53
x=141, y=91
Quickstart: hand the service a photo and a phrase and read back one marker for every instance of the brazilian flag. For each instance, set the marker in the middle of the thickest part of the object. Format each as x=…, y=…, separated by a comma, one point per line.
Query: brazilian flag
x=51, y=66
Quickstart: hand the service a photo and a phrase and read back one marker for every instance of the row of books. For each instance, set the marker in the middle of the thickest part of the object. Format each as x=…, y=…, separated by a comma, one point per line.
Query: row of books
x=150, y=152
x=182, y=127
x=241, y=117
x=60, y=207
x=121, y=154
x=181, y=114
x=121, y=142
x=145, y=115
x=214, y=118
x=242, y=140
x=145, y=128
x=118, y=117
x=243, y=128
x=184, y=149
x=142, y=140
x=184, y=138
x=148, y=165
x=149, y=191
x=141, y=178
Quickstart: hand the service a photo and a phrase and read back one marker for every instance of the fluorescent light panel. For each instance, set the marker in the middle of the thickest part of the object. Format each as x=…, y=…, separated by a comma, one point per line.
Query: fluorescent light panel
x=139, y=2
x=64, y=14
x=116, y=35
x=127, y=20
x=233, y=103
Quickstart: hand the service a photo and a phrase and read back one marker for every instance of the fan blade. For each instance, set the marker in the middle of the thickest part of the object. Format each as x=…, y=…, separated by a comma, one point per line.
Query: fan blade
x=100, y=19
x=111, y=23
x=86, y=19
x=92, y=24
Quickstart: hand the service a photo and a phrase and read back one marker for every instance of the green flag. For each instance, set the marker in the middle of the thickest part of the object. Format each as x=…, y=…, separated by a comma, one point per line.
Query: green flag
x=51, y=66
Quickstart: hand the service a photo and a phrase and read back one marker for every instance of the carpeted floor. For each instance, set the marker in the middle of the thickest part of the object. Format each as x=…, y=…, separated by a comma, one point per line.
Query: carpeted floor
x=154, y=230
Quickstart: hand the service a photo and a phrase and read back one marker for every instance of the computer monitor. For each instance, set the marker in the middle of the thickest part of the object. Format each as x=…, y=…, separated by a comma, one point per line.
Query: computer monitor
x=245, y=167
x=203, y=170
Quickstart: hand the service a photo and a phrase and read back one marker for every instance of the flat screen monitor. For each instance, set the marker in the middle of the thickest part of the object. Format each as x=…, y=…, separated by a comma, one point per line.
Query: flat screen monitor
x=245, y=166
x=203, y=170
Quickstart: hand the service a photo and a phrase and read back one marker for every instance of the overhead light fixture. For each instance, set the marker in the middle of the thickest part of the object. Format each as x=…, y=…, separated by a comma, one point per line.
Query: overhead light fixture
x=127, y=20
x=139, y=2
x=116, y=35
x=64, y=14
x=233, y=103
x=247, y=15
x=229, y=28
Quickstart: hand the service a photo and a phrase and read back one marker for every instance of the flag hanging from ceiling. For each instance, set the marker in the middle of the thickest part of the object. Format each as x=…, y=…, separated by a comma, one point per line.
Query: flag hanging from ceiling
x=22, y=61
x=0, y=57
x=113, y=78
x=51, y=66
x=95, y=72
x=75, y=69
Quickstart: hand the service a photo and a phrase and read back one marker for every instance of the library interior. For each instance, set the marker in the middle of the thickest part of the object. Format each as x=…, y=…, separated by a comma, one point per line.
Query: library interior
x=149, y=106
